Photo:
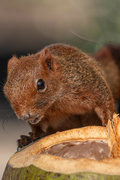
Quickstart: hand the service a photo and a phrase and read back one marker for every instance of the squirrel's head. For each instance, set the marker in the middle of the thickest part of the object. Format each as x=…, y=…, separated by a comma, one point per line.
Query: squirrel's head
x=33, y=83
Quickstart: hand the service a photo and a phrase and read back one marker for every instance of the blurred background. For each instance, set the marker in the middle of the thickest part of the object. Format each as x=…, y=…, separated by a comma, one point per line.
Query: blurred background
x=28, y=26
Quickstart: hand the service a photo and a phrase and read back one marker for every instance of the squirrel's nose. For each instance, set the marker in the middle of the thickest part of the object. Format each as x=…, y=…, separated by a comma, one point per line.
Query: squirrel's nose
x=24, y=117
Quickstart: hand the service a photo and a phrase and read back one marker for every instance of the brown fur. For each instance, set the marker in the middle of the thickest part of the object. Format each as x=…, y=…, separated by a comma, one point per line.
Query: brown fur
x=74, y=85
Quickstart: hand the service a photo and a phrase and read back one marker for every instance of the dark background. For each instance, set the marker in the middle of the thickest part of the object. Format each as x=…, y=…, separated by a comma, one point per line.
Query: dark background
x=27, y=26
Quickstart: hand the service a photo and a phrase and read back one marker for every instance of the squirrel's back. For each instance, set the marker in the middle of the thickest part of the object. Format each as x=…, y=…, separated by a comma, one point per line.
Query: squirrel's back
x=77, y=65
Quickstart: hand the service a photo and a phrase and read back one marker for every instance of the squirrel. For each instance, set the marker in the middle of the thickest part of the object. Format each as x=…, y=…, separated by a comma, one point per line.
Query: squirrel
x=54, y=88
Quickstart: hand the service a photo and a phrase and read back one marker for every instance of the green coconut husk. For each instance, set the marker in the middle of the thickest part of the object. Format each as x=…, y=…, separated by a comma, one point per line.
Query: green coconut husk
x=34, y=173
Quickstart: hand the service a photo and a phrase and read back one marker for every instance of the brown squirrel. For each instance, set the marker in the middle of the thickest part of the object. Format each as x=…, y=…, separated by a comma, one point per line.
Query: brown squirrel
x=54, y=88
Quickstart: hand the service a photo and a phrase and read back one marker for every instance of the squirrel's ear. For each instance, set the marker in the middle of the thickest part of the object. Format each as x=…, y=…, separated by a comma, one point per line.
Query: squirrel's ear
x=12, y=62
x=47, y=59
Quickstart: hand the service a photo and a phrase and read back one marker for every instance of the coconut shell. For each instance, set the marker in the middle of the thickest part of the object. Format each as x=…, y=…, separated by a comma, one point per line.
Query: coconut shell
x=32, y=163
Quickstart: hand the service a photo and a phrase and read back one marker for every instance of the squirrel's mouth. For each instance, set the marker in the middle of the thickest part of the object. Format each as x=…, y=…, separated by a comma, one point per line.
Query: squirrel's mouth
x=34, y=120
x=31, y=119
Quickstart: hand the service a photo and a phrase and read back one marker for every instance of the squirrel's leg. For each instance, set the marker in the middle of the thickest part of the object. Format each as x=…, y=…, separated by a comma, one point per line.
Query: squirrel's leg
x=104, y=114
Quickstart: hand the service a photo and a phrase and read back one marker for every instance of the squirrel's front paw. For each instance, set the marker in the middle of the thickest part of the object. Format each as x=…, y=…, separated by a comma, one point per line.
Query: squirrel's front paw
x=26, y=140
x=23, y=141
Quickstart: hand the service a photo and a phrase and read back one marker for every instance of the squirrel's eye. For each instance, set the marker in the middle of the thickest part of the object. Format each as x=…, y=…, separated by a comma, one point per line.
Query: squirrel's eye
x=40, y=84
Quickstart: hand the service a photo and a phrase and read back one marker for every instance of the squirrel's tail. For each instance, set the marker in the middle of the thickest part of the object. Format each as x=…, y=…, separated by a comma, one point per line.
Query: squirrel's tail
x=109, y=59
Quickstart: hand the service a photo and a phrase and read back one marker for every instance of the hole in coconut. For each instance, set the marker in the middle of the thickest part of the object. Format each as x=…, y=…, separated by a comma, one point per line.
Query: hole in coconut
x=91, y=149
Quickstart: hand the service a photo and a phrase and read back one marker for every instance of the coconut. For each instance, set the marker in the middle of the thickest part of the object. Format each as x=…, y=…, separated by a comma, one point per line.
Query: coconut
x=91, y=152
